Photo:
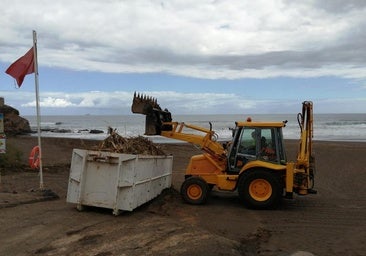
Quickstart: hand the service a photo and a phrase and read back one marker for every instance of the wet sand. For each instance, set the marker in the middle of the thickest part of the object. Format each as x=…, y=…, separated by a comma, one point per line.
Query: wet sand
x=333, y=222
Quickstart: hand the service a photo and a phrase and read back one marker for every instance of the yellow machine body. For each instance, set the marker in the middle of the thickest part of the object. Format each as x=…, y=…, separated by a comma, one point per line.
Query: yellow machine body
x=260, y=171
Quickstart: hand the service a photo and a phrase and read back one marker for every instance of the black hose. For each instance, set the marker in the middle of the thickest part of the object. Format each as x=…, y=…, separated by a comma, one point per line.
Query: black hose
x=299, y=115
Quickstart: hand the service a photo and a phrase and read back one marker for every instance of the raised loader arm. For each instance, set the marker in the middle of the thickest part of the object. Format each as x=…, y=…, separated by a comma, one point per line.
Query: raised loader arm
x=159, y=122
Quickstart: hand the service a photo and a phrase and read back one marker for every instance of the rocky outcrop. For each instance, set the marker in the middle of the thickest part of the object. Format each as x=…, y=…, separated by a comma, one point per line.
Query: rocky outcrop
x=13, y=123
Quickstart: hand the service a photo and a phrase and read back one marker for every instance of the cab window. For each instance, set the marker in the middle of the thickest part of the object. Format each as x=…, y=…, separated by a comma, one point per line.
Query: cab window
x=248, y=142
x=268, y=151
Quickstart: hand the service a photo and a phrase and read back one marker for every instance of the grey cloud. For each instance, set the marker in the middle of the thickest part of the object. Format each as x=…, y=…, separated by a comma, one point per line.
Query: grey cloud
x=340, y=6
x=346, y=54
x=199, y=46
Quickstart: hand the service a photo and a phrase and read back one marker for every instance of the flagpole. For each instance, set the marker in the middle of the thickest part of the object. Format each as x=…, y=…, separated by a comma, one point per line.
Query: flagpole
x=38, y=108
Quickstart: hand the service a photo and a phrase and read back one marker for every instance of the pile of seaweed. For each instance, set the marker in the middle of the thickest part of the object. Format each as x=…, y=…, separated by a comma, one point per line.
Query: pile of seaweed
x=134, y=145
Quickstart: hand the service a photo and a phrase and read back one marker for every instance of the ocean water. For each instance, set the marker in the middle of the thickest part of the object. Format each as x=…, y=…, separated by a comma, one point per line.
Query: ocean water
x=327, y=127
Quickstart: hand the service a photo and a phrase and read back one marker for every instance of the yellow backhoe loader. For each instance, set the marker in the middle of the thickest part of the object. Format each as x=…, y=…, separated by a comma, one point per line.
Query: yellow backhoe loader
x=253, y=163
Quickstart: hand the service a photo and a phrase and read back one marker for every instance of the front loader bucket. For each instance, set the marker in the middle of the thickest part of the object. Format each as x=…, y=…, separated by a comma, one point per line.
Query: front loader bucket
x=155, y=116
x=143, y=104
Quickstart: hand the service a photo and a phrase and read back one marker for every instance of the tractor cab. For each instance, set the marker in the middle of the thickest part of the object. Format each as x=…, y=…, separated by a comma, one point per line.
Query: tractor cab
x=261, y=141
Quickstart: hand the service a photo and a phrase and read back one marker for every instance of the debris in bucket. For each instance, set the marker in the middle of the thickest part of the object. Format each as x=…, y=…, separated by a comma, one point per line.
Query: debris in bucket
x=133, y=145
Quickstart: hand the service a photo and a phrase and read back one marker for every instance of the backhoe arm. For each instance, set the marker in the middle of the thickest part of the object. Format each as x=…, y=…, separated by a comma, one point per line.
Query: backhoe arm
x=305, y=120
x=305, y=164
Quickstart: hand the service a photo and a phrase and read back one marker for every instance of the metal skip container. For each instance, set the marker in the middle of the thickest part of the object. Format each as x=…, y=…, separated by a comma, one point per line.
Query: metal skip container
x=120, y=182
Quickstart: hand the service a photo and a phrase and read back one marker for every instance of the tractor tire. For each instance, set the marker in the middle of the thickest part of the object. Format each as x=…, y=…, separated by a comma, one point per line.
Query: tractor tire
x=260, y=189
x=194, y=190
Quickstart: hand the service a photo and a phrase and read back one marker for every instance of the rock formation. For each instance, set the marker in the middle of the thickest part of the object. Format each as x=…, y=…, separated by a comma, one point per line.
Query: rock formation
x=13, y=123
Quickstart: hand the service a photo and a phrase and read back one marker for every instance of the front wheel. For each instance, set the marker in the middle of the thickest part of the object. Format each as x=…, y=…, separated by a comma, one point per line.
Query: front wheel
x=194, y=190
x=260, y=189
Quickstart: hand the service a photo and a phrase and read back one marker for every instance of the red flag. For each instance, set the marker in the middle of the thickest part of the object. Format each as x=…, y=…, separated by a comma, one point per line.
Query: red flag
x=22, y=67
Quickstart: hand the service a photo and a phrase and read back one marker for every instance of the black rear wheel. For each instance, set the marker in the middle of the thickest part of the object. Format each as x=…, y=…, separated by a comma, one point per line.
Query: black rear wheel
x=260, y=189
x=194, y=190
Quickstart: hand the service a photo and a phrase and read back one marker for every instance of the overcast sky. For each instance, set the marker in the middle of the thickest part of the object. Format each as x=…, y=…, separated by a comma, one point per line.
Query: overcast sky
x=201, y=57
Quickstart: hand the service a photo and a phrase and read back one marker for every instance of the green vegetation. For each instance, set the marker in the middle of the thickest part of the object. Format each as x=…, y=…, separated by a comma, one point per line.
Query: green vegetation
x=12, y=158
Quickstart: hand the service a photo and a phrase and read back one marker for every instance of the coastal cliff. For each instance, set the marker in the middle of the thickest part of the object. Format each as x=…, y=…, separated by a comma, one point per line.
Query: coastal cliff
x=14, y=124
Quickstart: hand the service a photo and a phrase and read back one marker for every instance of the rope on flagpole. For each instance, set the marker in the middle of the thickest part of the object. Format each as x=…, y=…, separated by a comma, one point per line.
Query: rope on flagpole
x=15, y=84
x=38, y=108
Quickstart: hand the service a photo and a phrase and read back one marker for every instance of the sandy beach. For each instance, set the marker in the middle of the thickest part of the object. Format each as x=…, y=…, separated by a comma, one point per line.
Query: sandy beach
x=333, y=222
